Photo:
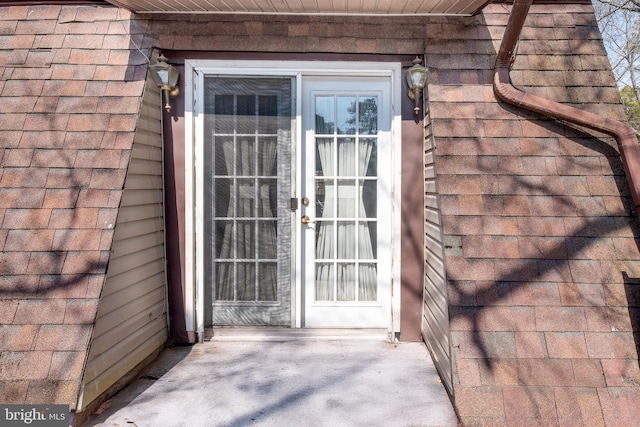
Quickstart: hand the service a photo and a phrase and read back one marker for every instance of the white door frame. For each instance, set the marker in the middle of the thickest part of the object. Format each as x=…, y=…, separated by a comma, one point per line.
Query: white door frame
x=194, y=179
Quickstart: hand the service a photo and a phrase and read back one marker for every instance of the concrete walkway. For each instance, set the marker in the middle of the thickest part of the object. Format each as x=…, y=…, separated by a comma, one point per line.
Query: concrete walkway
x=276, y=381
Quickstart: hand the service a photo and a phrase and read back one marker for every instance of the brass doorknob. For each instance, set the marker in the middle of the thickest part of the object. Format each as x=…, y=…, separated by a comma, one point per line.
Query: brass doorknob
x=306, y=220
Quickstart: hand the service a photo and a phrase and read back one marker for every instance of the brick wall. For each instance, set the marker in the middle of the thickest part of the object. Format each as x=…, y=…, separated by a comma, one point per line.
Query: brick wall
x=295, y=34
x=542, y=257
x=70, y=85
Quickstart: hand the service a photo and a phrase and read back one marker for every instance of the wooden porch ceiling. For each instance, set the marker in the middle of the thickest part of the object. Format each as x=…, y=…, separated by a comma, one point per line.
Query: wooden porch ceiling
x=307, y=7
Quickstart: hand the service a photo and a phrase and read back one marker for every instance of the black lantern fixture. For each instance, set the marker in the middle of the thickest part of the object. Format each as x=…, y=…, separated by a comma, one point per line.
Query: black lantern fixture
x=166, y=77
x=417, y=80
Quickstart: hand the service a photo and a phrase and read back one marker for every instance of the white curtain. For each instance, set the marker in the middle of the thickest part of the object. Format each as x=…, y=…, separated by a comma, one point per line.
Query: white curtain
x=367, y=285
x=267, y=230
x=255, y=239
x=325, y=277
x=343, y=197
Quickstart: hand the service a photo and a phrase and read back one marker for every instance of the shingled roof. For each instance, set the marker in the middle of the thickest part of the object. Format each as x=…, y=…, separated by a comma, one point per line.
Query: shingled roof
x=70, y=98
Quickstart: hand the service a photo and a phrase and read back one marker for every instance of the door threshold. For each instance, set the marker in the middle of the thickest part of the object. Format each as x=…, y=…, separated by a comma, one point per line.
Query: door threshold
x=257, y=333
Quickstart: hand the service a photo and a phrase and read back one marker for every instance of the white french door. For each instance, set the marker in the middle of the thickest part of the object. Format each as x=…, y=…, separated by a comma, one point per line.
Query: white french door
x=290, y=214
x=346, y=201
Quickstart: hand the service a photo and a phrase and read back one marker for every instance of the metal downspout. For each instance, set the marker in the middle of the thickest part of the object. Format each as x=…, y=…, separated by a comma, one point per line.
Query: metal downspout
x=505, y=91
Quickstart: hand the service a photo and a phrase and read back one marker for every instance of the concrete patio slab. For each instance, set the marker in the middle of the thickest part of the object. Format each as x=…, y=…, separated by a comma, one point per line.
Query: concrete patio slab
x=318, y=381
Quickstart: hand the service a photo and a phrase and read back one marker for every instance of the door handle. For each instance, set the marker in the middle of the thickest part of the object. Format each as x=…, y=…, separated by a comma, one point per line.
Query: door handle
x=306, y=220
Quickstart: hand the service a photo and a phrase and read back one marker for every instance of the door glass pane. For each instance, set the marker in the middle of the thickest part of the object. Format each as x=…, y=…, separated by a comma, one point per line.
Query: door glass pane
x=347, y=281
x=224, y=247
x=325, y=240
x=246, y=289
x=368, y=115
x=369, y=197
x=346, y=115
x=246, y=114
x=346, y=234
x=367, y=288
x=224, y=154
x=225, y=206
x=325, y=157
x=268, y=114
x=267, y=198
x=325, y=120
x=324, y=192
x=368, y=157
x=224, y=274
x=267, y=147
x=346, y=199
x=245, y=156
x=325, y=281
x=266, y=233
x=245, y=198
x=247, y=127
x=268, y=282
x=224, y=114
x=368, y=233
x=347, y=157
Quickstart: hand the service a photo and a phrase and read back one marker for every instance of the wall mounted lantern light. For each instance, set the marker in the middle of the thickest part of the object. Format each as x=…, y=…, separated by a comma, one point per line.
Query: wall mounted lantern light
x=166, y=77
x=417, y=80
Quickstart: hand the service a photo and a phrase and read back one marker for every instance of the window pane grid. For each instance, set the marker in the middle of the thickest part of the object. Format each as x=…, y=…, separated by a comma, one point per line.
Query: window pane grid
x=246, y=140
x=345, y=167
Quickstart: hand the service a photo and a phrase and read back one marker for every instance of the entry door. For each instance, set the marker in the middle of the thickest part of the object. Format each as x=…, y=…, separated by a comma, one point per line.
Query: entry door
x=346, y=202
x=247, y=192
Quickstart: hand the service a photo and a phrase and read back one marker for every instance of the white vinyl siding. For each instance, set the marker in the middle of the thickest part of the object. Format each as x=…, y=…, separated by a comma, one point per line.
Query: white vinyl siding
x=435, y=312
x=131, y=323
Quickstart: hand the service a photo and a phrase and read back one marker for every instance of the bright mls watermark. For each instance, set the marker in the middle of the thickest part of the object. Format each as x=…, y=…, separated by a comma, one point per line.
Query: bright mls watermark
x=34, y=415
